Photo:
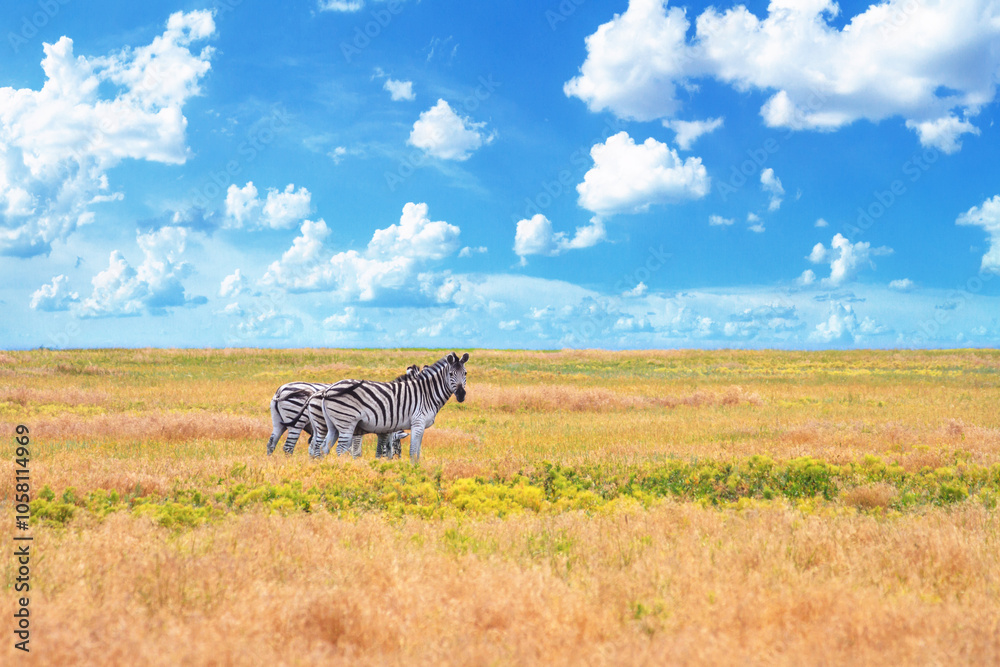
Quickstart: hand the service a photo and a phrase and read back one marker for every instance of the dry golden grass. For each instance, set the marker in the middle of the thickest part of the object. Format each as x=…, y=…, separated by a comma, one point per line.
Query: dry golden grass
x=850, y=581
x=674, y=583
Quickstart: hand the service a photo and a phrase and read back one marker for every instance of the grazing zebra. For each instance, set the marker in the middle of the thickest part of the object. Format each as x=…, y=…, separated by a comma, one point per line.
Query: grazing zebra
x=385, y=407
x=286, y=413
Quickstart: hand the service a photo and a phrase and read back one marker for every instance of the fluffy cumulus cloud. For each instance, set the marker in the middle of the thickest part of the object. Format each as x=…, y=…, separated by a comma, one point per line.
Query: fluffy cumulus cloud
x=902, y=285
x=719, y=221
x=629, y=177
x=688, y=131
x=534, y=236
x=234, y=285
x=444, y=134
x=771, y=184
x=986, y=216
x=841, y=327
x=123, y=290
x=390, y=263
x=279, y=210
x=54, y=296
x=399, y=90
x=634, y=63
x=846, y=260
x=58, y=143
x=755, y=224
x=930, y=63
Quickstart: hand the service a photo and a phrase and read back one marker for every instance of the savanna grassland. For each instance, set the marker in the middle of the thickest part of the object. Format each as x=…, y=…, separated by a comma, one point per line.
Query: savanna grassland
x=579, y=508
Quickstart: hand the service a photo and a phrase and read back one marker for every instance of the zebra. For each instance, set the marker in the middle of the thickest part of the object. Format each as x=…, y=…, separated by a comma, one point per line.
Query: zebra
x=385, y=407
x=388, y=443
x=286, y=412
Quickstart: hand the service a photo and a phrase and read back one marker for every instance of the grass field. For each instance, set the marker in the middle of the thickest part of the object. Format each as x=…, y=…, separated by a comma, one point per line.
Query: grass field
x=579, y=508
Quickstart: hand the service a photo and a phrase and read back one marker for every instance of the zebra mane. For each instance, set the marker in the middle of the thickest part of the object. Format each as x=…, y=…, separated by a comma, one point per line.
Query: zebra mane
x=428, y=371
x=411, y=371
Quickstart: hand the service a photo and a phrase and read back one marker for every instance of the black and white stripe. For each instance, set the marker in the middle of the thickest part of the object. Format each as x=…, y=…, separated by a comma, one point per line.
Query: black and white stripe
x=386, y=407
x=287, y=412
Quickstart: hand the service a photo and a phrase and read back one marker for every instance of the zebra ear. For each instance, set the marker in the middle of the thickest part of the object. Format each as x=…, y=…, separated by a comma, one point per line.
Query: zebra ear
x=452, y=358
x=465, y=357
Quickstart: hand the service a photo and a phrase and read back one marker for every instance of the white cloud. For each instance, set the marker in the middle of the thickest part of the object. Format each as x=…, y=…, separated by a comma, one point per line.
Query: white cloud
x=634, y=63
x=350, y=321
x=920, y=61
x=763, y=320
x=234, y=284
x=807, y=278
x=719, y=221
x=636, y=291
x=629, y=178
x=987, y=216
x=943, y=133
x=839, y=327
x=340, y=152
x=469, y=252
x=845, y=259
x=279, y=210
x=122, y=290
x=842, y=327
x=534, y=236
x=390, y=262
x=58, y=143
x=399, y=90
x=756, y=225
x=903, y=285
x=688, y=131
x=820, y=222
x=341, y=5
x=54, y=296
x=771, y=184
x=444, y=134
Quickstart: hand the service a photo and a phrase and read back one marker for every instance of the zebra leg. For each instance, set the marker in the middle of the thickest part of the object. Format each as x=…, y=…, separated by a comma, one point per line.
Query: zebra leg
x=346, y=439
x=381, y=449
x=416, y=439
x=293, y=437
x=278, y=427
x=323, y=444
x=356, y=446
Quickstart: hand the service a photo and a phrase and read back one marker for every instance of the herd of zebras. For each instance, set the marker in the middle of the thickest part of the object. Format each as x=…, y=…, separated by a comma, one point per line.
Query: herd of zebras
x=346, y=410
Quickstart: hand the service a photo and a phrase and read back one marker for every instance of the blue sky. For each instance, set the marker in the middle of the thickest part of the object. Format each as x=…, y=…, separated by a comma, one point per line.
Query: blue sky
x=382, y=173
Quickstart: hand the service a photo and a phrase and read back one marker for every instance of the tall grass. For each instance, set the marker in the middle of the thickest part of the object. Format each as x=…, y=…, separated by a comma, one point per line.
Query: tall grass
x=580, y=507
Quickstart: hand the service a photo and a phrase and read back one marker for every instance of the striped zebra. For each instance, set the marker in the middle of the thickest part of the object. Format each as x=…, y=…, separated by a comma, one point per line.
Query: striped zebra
x=386, y=407
x=286, y=414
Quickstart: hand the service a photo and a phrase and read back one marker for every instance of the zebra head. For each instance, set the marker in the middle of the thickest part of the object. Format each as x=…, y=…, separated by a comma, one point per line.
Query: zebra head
x=456, y=375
